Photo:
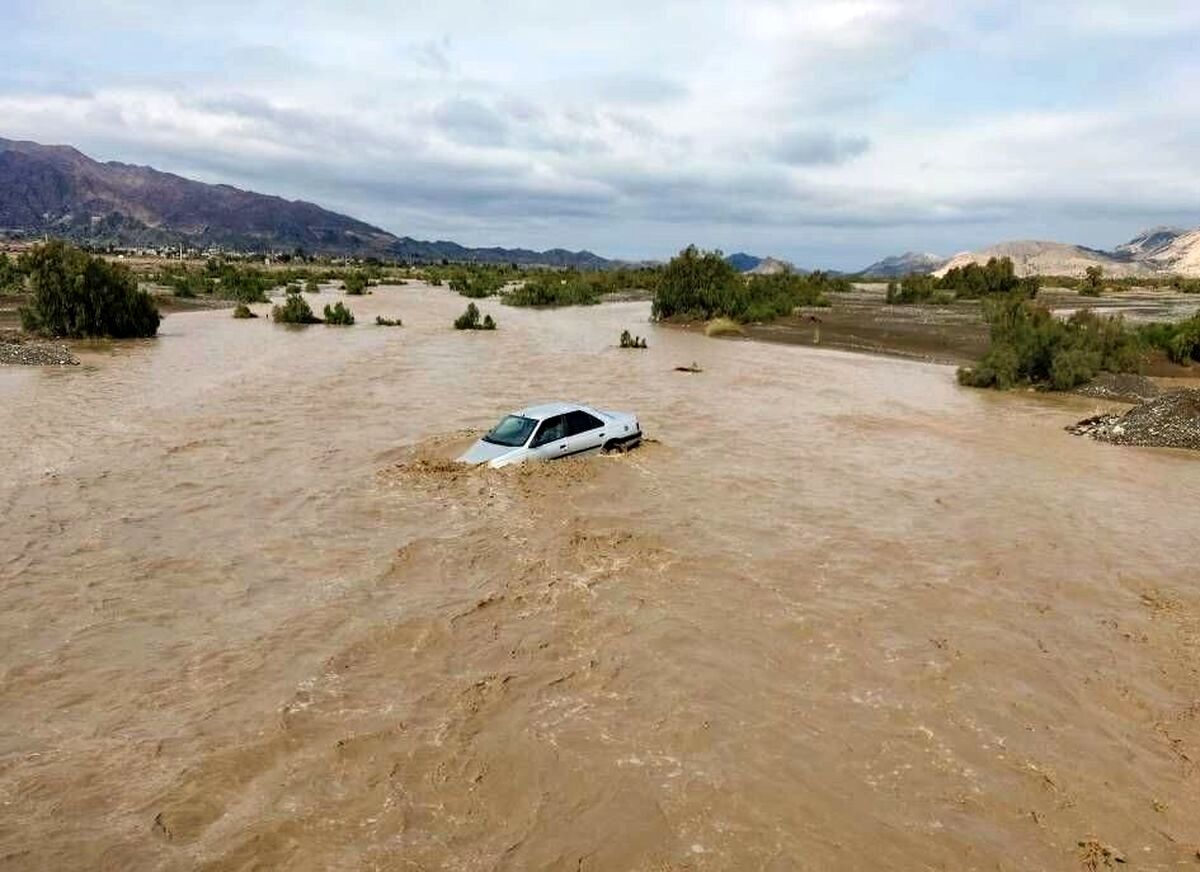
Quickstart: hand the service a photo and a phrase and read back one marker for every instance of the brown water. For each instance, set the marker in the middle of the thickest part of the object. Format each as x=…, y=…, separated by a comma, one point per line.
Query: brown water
x=841, y=614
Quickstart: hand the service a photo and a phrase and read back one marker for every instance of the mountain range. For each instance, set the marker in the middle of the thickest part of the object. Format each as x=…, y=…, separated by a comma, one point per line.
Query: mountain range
x=1157, y=251
x=905, y=264
x=59, y=191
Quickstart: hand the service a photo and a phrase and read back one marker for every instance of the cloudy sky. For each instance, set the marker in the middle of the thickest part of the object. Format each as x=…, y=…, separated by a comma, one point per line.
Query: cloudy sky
x=830, y=133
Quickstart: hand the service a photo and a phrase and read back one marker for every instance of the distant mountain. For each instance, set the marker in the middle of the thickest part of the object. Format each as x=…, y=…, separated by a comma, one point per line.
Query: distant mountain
x=905, y=264
x=1148, y=242
x=743, y=262
x=770, y=266
x=760, y=266
x=59, y=191
x=1157, y=251
x=1166, y=249
x=1032, y=257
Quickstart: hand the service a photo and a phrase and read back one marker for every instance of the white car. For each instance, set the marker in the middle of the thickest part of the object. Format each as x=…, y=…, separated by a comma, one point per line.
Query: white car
x=554, y=430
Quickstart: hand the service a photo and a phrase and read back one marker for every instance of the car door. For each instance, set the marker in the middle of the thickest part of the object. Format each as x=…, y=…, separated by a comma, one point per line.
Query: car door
x=585, y=432
x=550, y=441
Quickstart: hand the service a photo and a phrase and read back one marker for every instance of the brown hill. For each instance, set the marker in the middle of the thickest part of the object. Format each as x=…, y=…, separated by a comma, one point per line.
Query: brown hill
x=1049, y=259
x=60, y=191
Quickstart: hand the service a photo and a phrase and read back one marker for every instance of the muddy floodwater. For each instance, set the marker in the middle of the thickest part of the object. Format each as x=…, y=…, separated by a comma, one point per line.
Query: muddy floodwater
x=839, y=613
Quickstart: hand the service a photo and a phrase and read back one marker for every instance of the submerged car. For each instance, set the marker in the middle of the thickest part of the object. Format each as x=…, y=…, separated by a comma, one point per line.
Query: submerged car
x=554, y=430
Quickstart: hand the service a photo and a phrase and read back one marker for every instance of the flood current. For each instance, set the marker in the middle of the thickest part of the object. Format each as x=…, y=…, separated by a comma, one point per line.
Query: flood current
x=837, y=612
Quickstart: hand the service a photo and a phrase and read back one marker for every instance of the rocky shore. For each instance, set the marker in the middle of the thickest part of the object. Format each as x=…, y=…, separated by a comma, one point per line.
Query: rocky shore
x=24, y=350
x=1170, y=420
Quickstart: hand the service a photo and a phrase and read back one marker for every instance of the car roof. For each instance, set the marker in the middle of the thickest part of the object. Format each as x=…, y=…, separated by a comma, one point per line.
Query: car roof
x=547, y=410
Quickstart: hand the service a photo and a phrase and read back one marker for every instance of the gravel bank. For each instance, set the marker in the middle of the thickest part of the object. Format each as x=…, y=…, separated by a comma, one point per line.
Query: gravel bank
x=18, y=348
x=1171, y=420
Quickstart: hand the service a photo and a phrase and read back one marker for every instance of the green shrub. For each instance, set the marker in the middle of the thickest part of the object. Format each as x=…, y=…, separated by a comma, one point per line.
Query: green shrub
x=11, y=274
x=477, y=282
x=552, y=288
x=628, y=340
x=311, y=286
x=77, y=295
x=1180, y=341
x=295, y=310
x=355, y=283
x=969, y=282
x=1093, y=281
x=1030, y=346
x=699, y=285
x=388, y=322
x=338, y=315
x=241, y=310
x=469, y=320
x=913, y=288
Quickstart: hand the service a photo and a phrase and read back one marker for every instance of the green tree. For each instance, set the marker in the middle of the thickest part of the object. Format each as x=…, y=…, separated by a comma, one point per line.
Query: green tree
x=696, y=284
x=77, y=295
x=1093, y=281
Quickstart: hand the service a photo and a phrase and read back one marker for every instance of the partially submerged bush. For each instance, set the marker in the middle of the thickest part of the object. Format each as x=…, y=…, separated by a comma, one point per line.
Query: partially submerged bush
x=355, y=283
x=311, y=286
x=469, y=320
x=338, y=315
x=628, y=340
x=241, y=310
x=723, y=327
x=388, y=322
x=478, y=282
x=76, y=294
x=1030, y=346
x=552, y=288
x=295, y=310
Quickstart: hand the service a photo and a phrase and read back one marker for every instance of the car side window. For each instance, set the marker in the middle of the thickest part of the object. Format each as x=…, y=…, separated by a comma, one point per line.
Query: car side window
x=551, y=429
x=580, y=421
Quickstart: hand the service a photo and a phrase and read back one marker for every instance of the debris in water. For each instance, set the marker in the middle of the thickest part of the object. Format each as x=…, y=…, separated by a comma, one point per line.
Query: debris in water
x=1094, y=854
x=695, y=367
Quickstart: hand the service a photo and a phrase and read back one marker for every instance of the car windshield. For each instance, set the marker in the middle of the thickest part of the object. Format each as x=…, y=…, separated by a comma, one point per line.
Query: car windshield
x=511, y=432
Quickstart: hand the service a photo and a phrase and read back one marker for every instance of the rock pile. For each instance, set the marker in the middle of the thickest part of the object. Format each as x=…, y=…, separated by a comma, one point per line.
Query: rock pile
x=1122, y=387
x=1170, y=420
x=16, y=347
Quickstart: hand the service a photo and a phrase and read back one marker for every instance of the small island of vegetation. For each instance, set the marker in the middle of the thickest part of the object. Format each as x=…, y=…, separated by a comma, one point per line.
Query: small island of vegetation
x=78, y=295
x=469, y=320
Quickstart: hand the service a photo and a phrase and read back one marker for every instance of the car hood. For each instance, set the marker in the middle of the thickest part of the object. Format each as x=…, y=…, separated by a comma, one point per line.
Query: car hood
x=483, y=452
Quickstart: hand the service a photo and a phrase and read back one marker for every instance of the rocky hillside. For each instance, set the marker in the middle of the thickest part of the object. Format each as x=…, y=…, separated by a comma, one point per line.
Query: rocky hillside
x=1170, y=250
x=1032, y=257
x=905, y=264
x=1157, y=251
x=60, y=191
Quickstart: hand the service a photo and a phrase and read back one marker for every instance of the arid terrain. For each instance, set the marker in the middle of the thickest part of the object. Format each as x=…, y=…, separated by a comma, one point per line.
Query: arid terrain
x=956, y=332
x=838, y=612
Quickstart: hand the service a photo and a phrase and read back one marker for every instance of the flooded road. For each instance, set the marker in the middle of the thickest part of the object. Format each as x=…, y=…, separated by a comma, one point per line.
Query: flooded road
x=839, y=614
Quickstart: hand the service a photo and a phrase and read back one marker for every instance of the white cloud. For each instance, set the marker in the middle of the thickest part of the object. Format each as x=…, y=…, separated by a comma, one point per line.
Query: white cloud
x=632, y=124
